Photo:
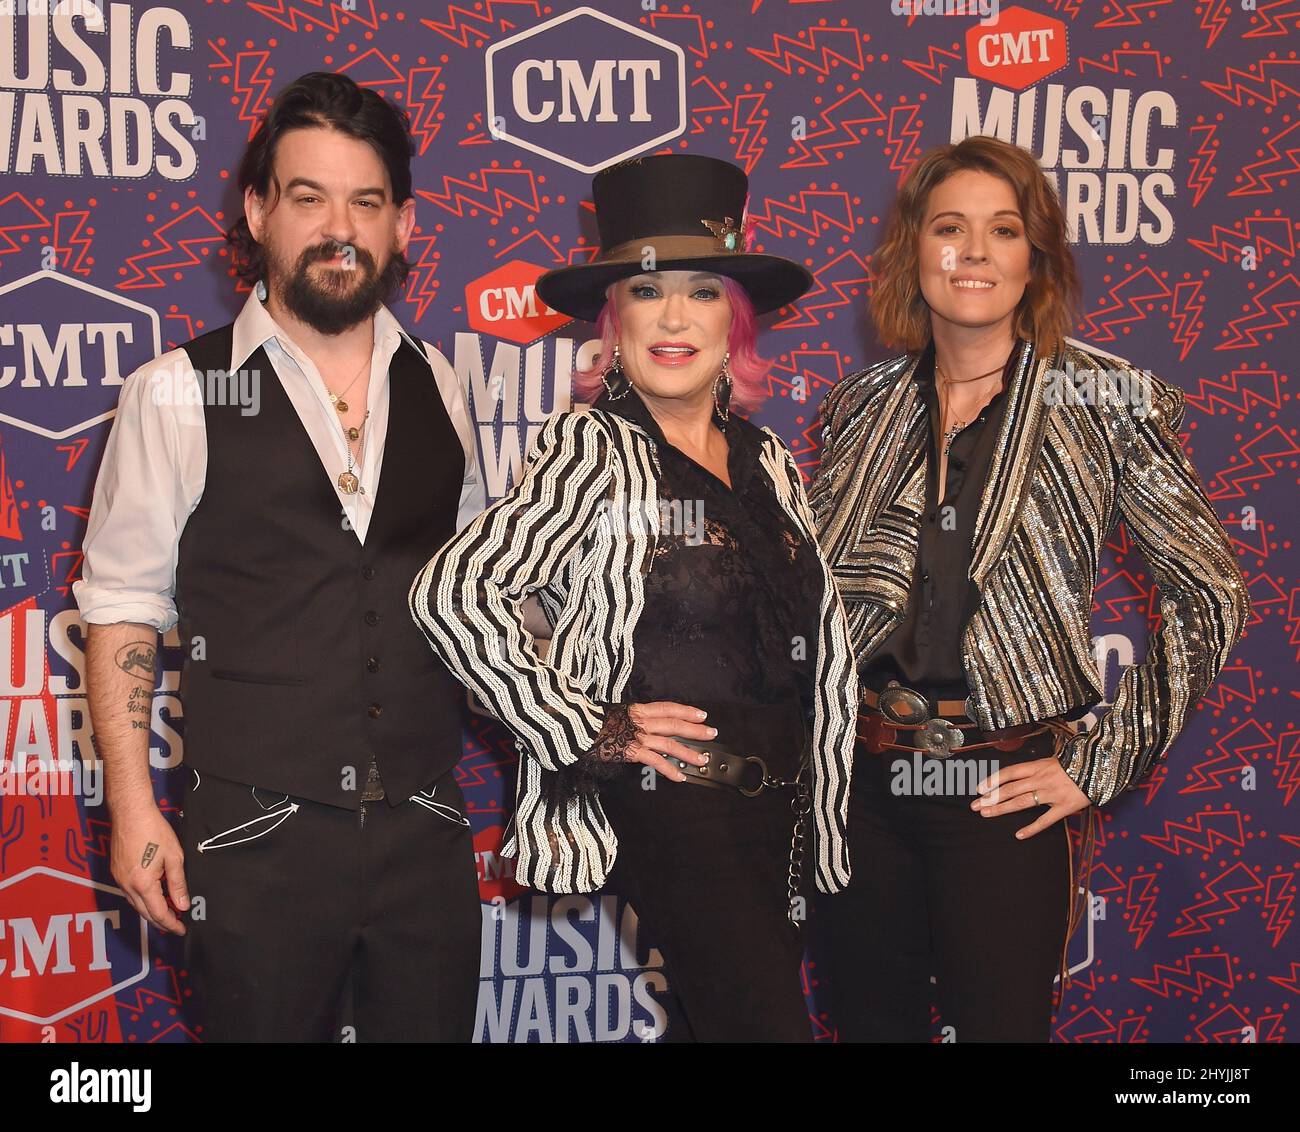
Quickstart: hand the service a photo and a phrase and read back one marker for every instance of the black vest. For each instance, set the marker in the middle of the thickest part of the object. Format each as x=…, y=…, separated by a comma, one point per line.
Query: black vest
x=301, y=657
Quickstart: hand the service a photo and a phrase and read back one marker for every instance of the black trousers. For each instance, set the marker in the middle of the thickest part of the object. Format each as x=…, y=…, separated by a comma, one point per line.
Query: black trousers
x=294, y=900
x=706, y=871
x=939, y=890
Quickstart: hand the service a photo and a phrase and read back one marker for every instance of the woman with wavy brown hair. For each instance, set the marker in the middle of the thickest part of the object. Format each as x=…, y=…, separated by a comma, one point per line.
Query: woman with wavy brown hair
x=966, y=490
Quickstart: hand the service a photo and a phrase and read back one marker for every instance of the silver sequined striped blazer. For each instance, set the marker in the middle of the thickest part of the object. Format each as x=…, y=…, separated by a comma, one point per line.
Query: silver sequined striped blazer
x=565, y=532
x=1065, y=470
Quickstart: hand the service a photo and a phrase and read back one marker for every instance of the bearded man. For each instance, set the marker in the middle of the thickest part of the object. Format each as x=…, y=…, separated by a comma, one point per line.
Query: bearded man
x=272, y=487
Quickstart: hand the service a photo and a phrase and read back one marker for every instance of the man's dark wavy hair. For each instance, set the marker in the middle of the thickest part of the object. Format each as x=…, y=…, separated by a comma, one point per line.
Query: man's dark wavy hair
x=319, y=99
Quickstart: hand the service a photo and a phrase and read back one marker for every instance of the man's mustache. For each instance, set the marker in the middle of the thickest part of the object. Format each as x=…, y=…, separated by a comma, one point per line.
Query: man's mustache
x=362, y=256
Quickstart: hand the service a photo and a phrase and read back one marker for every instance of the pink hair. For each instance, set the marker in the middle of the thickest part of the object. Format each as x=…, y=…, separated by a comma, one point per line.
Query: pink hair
x=748, y=370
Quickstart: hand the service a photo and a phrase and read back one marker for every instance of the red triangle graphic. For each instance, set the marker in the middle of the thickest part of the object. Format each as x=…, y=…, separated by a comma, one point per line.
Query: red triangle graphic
x=9, y=527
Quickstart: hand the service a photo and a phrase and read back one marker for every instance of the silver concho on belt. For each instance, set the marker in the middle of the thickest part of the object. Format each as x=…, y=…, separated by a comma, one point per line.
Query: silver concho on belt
x=939, y=737
x=902, y=705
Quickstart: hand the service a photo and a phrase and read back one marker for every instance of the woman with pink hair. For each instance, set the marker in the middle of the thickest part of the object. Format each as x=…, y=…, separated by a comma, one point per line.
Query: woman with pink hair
x=697, y=638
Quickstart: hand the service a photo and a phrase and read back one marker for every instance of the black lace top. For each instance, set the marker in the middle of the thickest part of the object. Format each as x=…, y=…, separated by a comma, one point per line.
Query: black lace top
x=731, y=604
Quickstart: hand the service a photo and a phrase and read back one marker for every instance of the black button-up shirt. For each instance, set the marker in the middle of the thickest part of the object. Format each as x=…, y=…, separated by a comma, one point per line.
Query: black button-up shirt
x=925, y=649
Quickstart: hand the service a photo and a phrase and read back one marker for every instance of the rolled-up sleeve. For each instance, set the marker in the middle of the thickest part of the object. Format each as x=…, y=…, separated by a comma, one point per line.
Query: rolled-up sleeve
x=150, y=479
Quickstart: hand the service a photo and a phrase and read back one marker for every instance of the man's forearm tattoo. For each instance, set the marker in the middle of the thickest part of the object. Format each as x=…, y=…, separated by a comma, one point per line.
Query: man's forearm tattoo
x=140, y=703
x=137, y=659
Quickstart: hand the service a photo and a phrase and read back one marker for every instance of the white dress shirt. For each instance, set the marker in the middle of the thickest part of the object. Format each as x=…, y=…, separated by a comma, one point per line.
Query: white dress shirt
x=155, y=462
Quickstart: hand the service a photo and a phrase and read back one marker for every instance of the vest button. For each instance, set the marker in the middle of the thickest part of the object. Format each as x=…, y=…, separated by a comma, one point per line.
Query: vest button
x=373, y=664
x=372, y=618
x=367, y=572
x=374, y=711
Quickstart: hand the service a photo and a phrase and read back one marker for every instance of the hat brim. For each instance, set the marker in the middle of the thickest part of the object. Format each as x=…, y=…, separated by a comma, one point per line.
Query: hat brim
x=579, y=290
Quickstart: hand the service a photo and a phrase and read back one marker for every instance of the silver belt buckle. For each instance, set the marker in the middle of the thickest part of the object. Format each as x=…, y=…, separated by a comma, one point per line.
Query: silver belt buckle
x=903, y=705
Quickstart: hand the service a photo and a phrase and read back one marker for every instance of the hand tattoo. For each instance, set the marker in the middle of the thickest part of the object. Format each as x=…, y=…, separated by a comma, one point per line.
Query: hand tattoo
x=149, y=851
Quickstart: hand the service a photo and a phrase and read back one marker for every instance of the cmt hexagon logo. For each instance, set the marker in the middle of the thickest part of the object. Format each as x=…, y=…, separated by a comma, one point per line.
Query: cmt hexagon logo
x=504, y=304
x=1021, y=49
x=65, y=349
x=625, y=95
x=65, y=942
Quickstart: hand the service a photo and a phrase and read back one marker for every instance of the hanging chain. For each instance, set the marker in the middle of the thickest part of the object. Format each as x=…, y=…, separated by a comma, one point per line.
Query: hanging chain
x=800, y=804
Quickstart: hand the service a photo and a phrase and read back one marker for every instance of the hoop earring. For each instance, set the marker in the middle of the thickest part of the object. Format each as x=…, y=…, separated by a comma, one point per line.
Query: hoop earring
x=725, y=372
x=615, y=366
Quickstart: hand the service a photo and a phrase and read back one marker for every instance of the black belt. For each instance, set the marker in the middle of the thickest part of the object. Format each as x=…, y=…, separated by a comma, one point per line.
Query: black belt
x=728, y=768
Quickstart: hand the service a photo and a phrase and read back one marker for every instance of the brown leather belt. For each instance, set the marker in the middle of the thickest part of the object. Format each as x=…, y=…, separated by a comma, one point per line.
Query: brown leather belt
x=937, y=707
x=940, y=738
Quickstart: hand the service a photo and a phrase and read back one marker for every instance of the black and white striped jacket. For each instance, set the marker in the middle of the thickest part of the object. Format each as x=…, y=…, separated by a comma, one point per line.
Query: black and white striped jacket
x=1064, y=471
x=569, y=532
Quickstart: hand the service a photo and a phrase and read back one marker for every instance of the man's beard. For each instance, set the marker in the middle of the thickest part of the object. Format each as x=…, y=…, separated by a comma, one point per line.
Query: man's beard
x=334, y=305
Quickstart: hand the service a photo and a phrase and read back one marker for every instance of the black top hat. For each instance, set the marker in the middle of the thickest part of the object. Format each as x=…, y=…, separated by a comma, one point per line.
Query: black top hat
x=687, y=209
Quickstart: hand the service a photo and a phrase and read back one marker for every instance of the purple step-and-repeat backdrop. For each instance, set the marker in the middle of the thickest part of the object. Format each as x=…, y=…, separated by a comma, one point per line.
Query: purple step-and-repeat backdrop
x=1170, y=129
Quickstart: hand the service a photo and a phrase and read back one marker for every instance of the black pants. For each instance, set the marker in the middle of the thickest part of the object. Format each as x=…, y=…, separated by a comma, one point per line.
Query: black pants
x=707, y=871
x=302, y=900
x=939, y=890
